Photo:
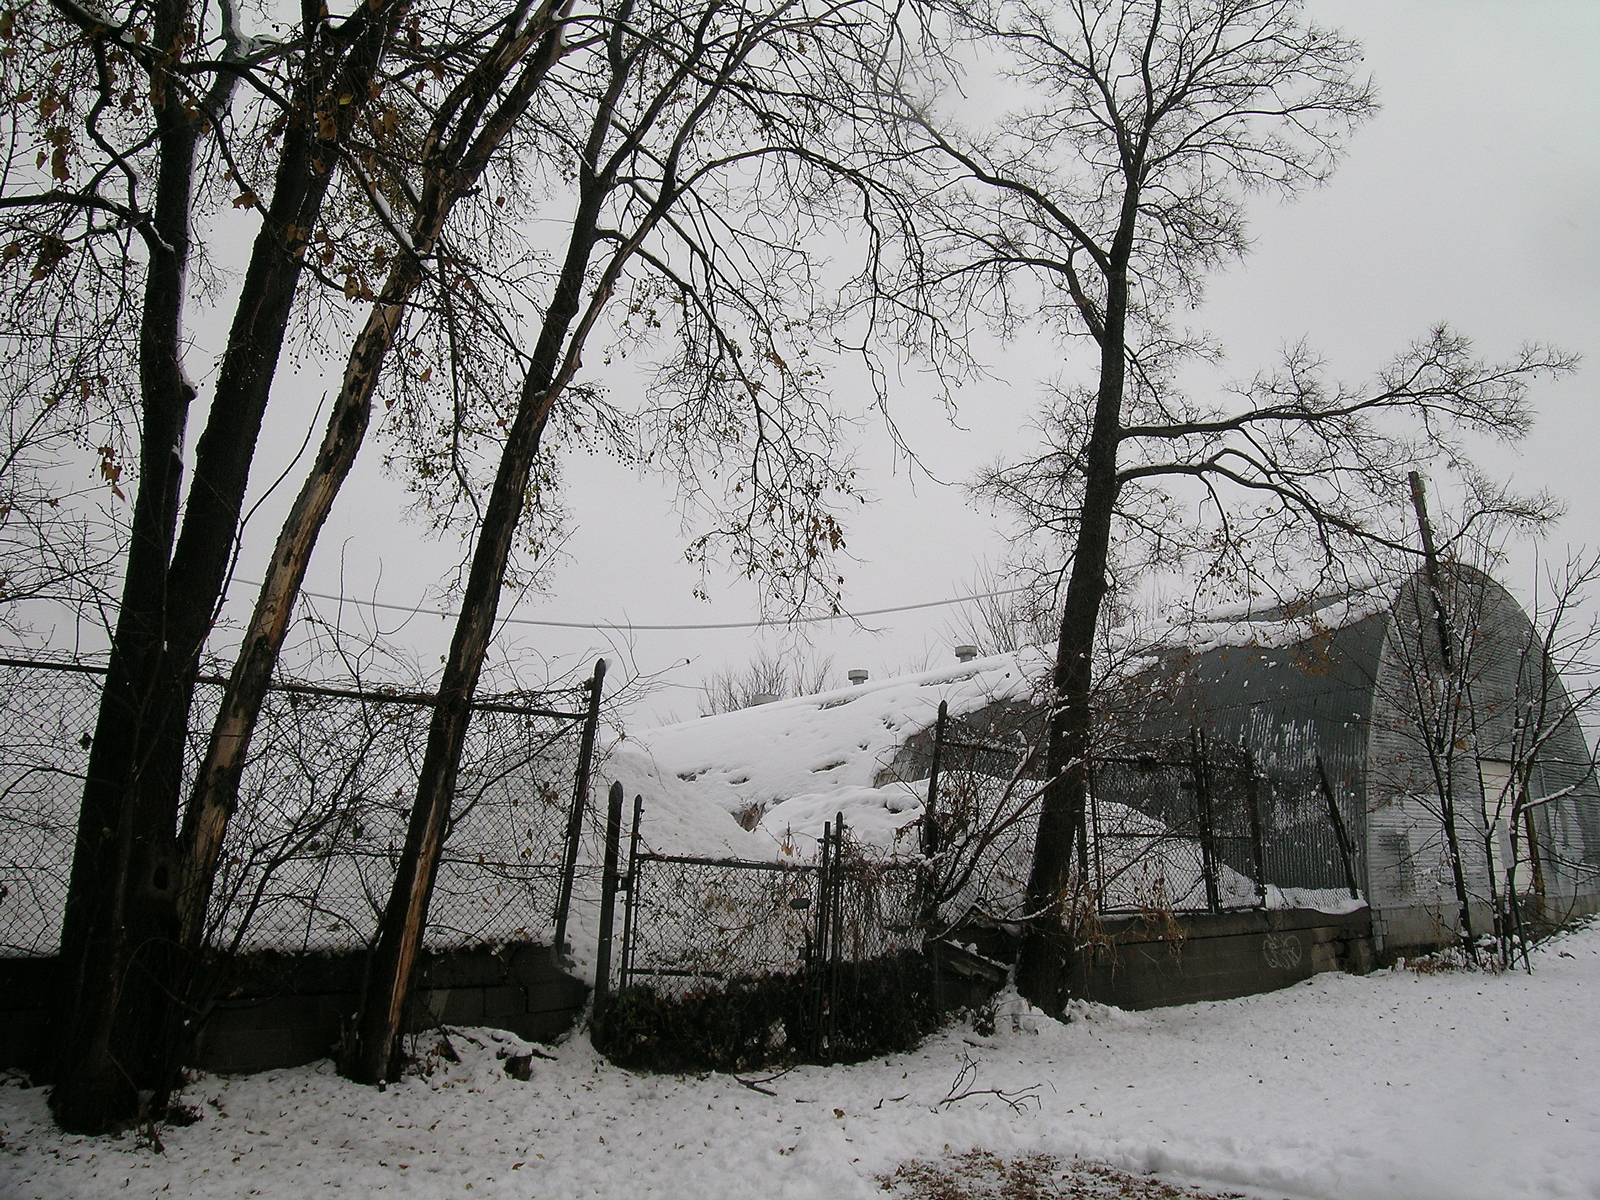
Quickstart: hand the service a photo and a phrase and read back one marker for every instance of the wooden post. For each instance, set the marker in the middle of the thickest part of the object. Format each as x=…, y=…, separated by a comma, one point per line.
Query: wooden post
x=608, y=912
x=1430, y=558
x=580, y=799
x=1339, y=831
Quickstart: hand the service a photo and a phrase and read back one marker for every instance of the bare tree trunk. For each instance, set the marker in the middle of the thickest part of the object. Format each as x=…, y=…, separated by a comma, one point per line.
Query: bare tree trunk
x=1041, y=967
x=376, y=1053
x=115, y=889
x=377, y=1049
x=1458, y=875
x=216, y=789
x=1043, y=957
x=459, y=154
x=124, y=982
x=1455, y=688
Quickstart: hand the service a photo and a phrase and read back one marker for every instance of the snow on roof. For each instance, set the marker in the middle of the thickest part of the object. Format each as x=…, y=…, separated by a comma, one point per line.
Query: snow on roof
x=1264, y=626
x=813, y=756
x=1276, y=628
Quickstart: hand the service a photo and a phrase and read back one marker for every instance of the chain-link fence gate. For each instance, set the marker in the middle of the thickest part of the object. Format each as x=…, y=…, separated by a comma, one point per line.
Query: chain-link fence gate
x=323, y=805
x=734, y=960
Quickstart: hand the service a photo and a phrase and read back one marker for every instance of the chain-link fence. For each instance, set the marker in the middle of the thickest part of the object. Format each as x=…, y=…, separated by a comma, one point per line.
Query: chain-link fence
x=980, y=837
x=1172, y=826
x=716, y=919
x=1175, y=834
x=321, y=819
x=48, y=718
x=705, y=920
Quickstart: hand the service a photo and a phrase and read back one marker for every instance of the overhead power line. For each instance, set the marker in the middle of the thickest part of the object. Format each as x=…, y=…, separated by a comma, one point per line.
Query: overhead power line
x=631, y=627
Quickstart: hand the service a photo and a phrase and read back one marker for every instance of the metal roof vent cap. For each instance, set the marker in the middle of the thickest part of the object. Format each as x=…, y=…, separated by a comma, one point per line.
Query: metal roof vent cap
x=858, y=676
x=966, y=653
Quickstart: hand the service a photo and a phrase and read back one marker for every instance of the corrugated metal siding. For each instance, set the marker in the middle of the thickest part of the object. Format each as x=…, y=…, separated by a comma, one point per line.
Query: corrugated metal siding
x=1345, y=696
x=1287, y=707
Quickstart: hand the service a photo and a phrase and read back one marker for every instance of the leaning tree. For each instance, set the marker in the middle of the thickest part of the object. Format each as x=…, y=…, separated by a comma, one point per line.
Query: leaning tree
x=153, y=124
x=697, y=150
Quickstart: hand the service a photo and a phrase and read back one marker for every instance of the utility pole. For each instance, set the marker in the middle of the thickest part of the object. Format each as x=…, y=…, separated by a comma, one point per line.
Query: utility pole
x=1442, y=738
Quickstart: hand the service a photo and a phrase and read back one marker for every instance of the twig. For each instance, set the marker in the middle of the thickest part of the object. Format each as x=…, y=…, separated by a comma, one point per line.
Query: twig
x=755, y=1084
x=968, y=1073
x=1018, y=1101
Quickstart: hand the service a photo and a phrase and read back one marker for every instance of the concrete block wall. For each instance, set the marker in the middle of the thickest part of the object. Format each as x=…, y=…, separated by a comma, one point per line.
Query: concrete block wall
x=280, y=1010
x=1220, y=957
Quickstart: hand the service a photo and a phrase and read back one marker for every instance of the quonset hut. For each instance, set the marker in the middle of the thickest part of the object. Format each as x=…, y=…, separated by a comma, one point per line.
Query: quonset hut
x=1346, y=705
x=1360, y=697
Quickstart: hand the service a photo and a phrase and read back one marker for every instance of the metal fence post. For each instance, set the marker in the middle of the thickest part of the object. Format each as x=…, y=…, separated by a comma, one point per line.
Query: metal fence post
x=608, y=910
x=819, y=945
x=1258, y=850
x=580, y=798
x=1202, y=807
x=930, y=825
x=631, y=885
x=928, y=908
x=1098, y=884
x=1339, y=833
x=838, y=931
x=1083, y=841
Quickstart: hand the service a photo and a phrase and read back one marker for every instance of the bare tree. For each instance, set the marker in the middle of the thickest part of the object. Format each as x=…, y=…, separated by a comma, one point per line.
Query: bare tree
x=1557, y=690
x=769, y=675
x=470, y=126
x=60, y=537
x=1098, y=207
x=1495, y=703
x=1442, y=650
x=693, y=144
x=1005, y=613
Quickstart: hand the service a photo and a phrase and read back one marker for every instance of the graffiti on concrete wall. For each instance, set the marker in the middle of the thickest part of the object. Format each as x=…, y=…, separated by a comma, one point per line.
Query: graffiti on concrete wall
x=1282, y=951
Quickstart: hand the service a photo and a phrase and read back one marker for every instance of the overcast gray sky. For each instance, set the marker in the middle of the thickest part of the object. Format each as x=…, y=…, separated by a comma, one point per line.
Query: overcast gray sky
x=1471, y=198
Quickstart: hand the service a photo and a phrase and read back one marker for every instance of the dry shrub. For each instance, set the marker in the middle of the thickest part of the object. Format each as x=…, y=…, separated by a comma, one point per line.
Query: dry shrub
x=885, y=1005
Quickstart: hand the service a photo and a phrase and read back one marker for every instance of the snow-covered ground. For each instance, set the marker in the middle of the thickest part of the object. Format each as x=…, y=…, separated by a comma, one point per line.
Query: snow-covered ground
x=1406, y=1085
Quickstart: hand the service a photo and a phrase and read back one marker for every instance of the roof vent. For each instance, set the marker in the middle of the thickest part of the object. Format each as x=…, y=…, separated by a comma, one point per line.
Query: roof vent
x=763, y=698
x=858, y=676
x=966, y=653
